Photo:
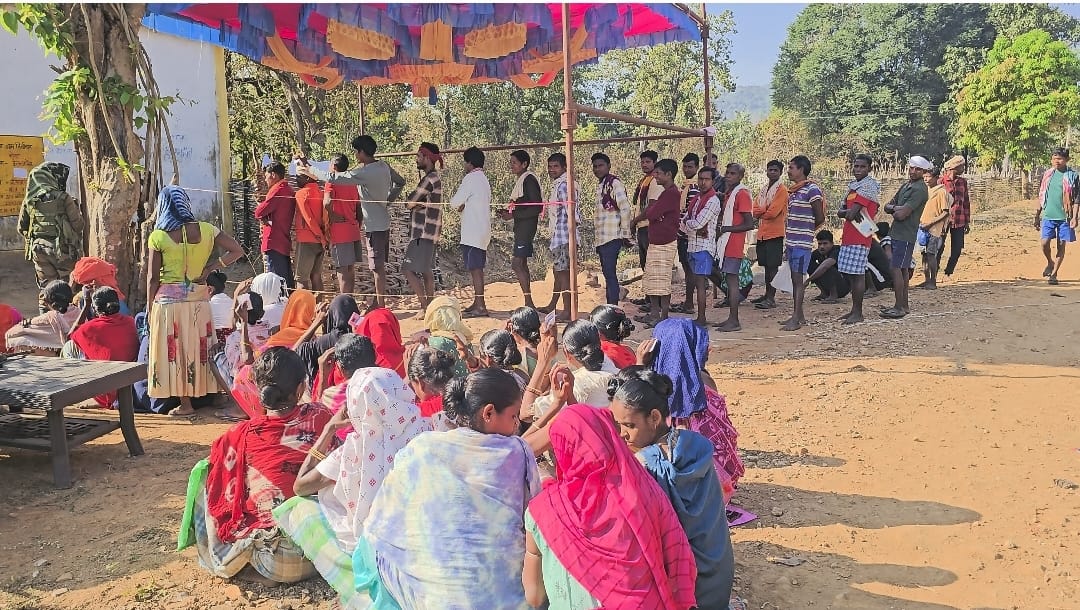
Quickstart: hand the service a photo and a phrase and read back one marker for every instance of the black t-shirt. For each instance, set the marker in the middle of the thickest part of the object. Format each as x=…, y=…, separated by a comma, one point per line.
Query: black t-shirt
x=817, y=257
x=526, y=217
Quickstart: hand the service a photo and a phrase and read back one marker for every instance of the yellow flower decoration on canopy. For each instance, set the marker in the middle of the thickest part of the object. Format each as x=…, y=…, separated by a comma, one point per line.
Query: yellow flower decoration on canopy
x=425, y=76
x=553, y=62
x=359, y=43
x=437, y=41
x=283, y=60
x=495, y=40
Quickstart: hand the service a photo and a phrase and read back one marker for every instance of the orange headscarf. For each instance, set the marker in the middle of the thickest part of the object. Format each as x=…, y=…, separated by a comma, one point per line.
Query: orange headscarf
x=298, y=316
x=92, y=270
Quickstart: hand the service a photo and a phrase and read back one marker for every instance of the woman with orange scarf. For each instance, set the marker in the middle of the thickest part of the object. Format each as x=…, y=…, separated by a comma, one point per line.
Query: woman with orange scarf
x=95, y=273
x=603, y=534
x=299, y=313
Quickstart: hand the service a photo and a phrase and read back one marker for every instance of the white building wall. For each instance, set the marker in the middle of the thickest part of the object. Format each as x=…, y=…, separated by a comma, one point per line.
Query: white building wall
x=192, y=70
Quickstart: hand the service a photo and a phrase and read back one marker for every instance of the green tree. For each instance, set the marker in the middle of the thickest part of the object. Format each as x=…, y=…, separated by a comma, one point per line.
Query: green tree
x=103, y=95
x=886, y=74
x=1021, y=100
x=663, y=82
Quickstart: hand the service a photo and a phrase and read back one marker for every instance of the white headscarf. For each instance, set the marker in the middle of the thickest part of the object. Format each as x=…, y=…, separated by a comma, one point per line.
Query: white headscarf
x=268, y=286
x=385, y=418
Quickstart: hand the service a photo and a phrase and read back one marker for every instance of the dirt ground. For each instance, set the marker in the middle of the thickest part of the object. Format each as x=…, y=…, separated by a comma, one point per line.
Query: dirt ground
x=924, y=464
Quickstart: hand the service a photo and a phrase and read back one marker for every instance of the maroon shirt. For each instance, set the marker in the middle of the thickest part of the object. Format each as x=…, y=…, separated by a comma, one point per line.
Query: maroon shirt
x=663, y=215
x=278, y=209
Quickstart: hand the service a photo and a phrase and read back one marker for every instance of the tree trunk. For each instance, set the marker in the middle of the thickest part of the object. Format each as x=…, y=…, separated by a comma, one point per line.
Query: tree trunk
x=304, y=128
x=112, y=199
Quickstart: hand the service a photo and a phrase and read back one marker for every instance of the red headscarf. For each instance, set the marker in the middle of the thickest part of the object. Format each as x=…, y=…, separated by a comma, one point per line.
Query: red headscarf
x=382, y=327
x=90, y=270
x=607, y=520
x=275, y=447
x=9, y=316
x=434, y=157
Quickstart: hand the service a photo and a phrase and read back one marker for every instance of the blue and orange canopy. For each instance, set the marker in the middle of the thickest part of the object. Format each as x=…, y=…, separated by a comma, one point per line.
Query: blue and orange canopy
x=423, y=45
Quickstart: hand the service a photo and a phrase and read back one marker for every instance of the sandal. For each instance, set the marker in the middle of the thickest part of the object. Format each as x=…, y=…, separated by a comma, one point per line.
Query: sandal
x=893, y=314
x=1052, y=280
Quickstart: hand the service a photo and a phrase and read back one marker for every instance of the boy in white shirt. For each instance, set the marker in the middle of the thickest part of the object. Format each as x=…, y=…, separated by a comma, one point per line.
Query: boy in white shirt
x=473, y=200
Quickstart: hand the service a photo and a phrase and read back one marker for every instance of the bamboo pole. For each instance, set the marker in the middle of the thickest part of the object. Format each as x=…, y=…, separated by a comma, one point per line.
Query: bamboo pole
x=569, y=121
x=705, y=75
x=633, y=120
x=360, y=101
x=600, y=141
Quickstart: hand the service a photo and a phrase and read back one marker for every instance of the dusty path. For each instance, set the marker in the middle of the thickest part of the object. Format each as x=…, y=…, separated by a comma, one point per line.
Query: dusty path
x=920, y=464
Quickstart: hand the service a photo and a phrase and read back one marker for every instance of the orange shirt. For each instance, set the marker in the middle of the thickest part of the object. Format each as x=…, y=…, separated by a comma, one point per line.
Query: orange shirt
x=309, y=215
x=772, y=213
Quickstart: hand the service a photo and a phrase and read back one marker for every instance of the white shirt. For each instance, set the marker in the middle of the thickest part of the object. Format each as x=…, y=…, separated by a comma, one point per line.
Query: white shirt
x=272, y=314
x=475, y=194
x=221, y=309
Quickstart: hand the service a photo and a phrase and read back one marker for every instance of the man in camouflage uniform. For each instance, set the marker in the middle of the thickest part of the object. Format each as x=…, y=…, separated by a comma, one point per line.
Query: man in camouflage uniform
x=51, y=223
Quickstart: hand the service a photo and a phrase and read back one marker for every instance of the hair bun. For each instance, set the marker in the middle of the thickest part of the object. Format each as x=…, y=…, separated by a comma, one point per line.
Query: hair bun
x=659, y=382
x=270, y=395
x=454, y=398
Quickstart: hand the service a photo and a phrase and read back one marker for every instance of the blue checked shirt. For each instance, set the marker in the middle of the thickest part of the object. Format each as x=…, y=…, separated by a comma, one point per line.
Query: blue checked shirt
x=558, y=219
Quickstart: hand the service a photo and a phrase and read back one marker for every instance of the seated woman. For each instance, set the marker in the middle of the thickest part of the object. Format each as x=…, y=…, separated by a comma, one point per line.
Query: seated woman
x=454, y=541
x=524, y=324
x=681, y=462
x=335, y=323
x=614, y=326
x=695, y=404
x=107, y=335
x=252, y=469
x=299, y=312
x=382, y=327
x=430, y=370
x=583, y=353
x=443, y=320
x=499, y=350
x=221, y=304
x=251, y=332
x=603, y=534
x=95, y=273
x=269, y=286
x=384, y=419
x=45, y=335
x=350, y=354
x=9, y=317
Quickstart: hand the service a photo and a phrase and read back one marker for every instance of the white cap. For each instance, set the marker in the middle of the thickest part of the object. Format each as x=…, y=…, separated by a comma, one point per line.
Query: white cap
x=920, y=162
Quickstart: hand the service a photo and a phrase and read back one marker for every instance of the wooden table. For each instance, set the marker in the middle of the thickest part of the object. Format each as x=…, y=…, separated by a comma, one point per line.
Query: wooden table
x=54, y=383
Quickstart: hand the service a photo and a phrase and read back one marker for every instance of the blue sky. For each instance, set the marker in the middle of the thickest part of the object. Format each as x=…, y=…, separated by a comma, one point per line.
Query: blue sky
x=762, y=28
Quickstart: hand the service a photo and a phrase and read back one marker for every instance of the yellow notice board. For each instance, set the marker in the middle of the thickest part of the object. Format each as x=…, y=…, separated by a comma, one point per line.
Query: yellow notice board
x=18, y=155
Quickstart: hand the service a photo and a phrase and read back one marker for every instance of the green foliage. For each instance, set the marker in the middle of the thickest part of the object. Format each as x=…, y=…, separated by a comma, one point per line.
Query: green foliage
x=661, y=83
x=1019, y=102
x=51, y=25
x=885, y=74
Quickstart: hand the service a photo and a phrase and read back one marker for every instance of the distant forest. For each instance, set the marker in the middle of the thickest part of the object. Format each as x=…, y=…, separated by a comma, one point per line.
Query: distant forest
x=754, y=100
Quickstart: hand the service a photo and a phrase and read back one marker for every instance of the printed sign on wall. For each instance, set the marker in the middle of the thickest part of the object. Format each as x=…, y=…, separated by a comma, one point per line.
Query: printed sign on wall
x=18, y=155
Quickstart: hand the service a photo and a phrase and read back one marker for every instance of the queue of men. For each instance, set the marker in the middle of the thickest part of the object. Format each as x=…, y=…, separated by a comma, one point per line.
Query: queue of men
x=686, y=214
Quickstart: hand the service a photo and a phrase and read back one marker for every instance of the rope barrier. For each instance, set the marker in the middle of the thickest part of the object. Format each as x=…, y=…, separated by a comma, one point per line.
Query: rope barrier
x=405, y=201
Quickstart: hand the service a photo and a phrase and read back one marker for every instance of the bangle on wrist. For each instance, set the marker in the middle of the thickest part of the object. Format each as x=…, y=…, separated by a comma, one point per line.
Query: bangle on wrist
x=315, y=453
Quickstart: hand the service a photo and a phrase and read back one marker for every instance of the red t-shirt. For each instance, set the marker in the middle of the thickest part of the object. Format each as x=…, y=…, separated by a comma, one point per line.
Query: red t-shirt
x=736, y=244
x=344, y=199
x=277, y=209
x=851, y=235
x=663, y=216
x=309, y=214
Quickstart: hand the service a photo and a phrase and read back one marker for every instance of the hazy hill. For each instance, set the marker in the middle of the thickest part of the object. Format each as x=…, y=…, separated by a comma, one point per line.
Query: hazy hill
x=755, y=100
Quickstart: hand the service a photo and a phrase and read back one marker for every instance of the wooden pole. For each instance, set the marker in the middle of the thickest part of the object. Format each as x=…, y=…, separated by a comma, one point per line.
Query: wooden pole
x=705, y=75
x=598, y=142
x=360, y=100
x=569, y=122
x=633, y=120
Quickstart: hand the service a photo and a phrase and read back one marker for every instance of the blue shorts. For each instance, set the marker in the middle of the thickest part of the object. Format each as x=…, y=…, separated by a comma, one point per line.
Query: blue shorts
x=1058, y=229
x=701, y=263
x=902, y=252
x=798, y=259
x=474, y=257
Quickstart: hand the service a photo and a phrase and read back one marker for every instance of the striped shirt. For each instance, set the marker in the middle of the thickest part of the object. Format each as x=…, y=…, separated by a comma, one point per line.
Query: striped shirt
x=426, y=221
x=610, y=225
x=559, y=220
x=800, y=220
